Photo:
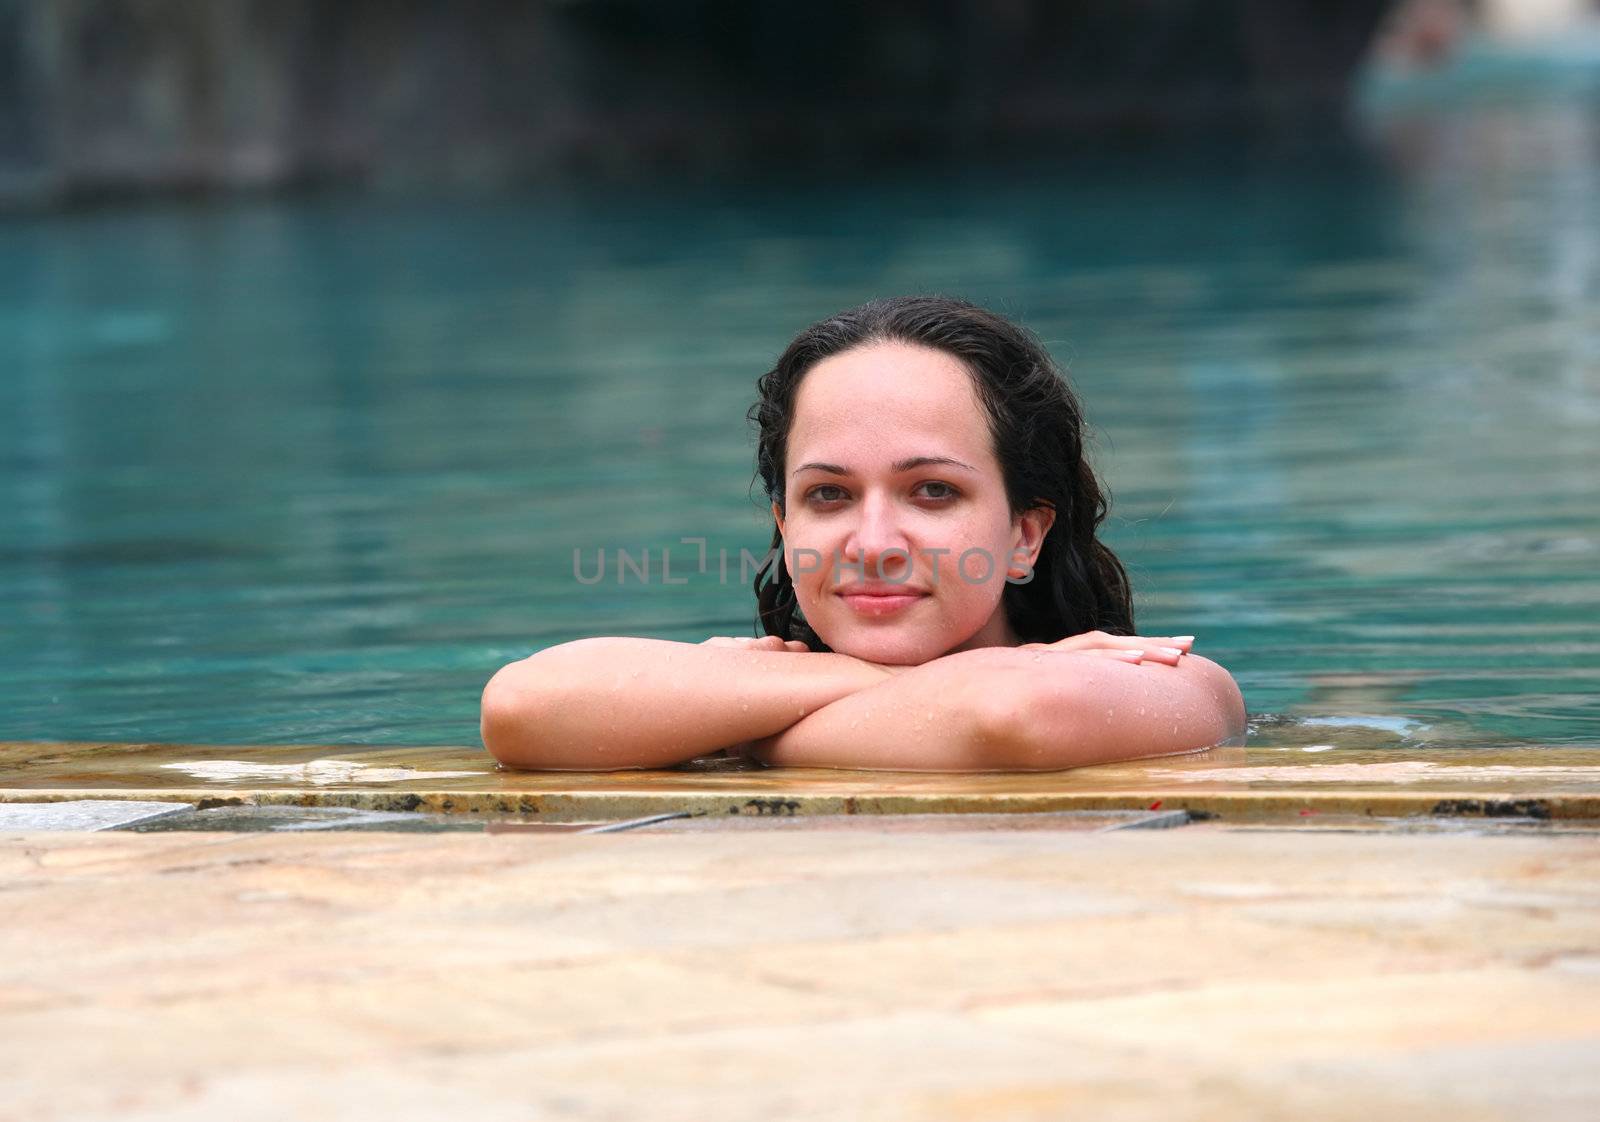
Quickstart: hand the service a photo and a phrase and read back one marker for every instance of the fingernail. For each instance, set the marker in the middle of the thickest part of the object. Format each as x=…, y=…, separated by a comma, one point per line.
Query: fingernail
x=1183, y=638
x=1173, y=651
x=1131, y=656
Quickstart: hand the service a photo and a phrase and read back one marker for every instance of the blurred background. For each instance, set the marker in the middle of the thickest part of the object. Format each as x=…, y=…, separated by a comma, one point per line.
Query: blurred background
x=342, y=343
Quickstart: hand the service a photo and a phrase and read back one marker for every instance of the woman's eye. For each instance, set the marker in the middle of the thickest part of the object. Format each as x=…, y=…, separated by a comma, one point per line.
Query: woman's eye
x=932, y=489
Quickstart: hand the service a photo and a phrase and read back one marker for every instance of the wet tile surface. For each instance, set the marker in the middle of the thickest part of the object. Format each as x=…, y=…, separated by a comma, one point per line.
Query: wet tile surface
x=1083, y=821
x=250, y=819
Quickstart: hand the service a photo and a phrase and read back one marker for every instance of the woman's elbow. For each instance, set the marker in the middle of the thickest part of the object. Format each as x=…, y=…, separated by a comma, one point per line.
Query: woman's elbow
x=510, y=714
x=1226, y=702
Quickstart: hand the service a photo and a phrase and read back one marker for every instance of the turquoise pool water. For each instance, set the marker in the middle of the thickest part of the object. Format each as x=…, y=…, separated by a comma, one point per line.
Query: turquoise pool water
x=311, y=470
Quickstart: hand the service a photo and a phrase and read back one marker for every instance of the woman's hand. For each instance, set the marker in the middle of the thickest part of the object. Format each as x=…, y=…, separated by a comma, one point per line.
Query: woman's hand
x=764, y=643
x=1125, y=648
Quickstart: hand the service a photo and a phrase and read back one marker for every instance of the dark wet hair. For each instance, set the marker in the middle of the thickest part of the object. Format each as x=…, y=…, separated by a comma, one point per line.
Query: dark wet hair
x=1078, y=584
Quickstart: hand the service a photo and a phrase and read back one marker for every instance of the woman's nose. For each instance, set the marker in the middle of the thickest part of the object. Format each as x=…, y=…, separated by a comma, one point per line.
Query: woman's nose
x=877, y=539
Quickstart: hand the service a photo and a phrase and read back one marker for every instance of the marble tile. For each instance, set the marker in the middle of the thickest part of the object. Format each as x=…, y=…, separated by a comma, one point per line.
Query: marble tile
x=81, y=814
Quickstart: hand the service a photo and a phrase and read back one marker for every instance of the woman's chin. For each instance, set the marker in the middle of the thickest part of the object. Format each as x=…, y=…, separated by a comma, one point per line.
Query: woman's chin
x=887, y=650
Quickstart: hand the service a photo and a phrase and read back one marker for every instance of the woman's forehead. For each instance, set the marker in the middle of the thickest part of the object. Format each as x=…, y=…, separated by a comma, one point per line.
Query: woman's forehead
x=888, y=401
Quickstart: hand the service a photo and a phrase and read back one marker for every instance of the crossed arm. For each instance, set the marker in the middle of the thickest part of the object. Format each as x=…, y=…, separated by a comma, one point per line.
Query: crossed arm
x=607, y=703
x=1014, y=709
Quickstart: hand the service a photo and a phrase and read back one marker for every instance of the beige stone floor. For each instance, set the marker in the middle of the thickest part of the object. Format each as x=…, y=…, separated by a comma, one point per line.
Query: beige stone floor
x=1206, y=972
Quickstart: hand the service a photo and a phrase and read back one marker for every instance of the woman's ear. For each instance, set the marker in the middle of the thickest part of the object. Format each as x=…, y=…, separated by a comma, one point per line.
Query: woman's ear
x=777, y=516
x=1032, y=525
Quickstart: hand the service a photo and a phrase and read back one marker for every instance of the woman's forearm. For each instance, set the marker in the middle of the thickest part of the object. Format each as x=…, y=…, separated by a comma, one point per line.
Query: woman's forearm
x=604, y=703
x=1100, y=710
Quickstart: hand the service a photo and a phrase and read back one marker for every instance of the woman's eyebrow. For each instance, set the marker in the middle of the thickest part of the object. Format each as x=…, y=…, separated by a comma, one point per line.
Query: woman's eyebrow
x=898, y=466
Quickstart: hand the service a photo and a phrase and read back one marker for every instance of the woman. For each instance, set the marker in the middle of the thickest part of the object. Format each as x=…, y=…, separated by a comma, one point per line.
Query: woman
x=936, y=601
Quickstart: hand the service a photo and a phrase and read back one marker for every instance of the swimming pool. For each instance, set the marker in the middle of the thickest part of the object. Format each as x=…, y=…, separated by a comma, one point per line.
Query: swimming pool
x=309, y=470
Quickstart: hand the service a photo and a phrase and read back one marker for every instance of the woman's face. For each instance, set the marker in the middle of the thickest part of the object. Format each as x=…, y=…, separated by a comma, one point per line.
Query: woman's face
x=898, y=534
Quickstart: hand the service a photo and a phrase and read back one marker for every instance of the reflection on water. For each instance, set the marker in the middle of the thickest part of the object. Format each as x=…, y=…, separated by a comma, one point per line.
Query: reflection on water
x=310, y=471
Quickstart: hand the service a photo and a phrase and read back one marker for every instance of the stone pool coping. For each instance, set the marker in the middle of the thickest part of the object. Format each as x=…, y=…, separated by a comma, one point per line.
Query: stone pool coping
x=1268, y=781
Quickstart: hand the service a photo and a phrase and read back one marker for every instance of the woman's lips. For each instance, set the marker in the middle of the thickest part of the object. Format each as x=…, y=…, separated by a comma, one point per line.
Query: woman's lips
x=880, y=604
